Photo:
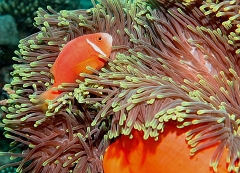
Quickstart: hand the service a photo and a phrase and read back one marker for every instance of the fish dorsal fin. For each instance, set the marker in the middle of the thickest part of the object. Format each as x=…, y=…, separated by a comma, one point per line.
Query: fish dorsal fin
x=81, y=67
x=96, y=48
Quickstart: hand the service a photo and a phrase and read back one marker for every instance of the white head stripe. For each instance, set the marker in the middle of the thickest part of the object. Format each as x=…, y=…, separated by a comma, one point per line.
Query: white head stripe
x=96, y=48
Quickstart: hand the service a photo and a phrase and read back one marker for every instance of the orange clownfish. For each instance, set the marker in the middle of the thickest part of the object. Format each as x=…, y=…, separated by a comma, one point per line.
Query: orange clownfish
x=169, y=154
x=75, y=56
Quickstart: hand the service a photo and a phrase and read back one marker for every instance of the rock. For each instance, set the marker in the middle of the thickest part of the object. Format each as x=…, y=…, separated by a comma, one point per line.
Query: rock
x=8, y=30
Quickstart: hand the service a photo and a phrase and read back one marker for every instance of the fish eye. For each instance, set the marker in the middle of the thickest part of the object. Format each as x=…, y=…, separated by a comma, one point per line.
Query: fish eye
x=99, y=38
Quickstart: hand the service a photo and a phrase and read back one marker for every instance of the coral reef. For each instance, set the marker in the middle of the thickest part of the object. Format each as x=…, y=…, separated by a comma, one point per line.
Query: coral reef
x=8, y=170
x=8, y=41
x=171, y=61
x=25, y=11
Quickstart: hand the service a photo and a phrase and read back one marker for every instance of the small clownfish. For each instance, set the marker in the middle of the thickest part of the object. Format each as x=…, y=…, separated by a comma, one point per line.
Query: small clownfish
x=75, y=56
x=169, y=154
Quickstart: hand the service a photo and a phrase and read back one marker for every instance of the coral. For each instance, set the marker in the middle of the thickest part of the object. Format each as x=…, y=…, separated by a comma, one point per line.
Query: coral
x=8, y=41
x=25, y=11
x=8, y=170
x=170, y=62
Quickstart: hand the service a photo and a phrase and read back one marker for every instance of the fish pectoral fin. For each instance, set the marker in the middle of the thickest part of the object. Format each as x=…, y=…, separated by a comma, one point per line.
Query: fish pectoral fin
x=82, y=66
x=52, y=69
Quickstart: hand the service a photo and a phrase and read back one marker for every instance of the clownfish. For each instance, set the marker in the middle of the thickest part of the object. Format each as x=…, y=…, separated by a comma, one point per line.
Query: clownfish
x=75, y=56
x=169, y=154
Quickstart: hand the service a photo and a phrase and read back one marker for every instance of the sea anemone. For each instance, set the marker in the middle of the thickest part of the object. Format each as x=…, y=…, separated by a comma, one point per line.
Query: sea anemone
x=186, y=73
x=174, y=64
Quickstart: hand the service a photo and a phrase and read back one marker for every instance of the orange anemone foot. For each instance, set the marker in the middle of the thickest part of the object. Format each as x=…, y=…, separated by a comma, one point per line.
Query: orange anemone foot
x=169, y=154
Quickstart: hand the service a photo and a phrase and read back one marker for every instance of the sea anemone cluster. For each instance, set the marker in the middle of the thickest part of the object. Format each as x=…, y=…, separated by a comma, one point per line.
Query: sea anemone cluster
x=172, y=61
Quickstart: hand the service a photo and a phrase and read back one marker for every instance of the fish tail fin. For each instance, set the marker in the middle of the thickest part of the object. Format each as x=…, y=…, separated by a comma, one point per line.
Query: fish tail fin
x=41, y=99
